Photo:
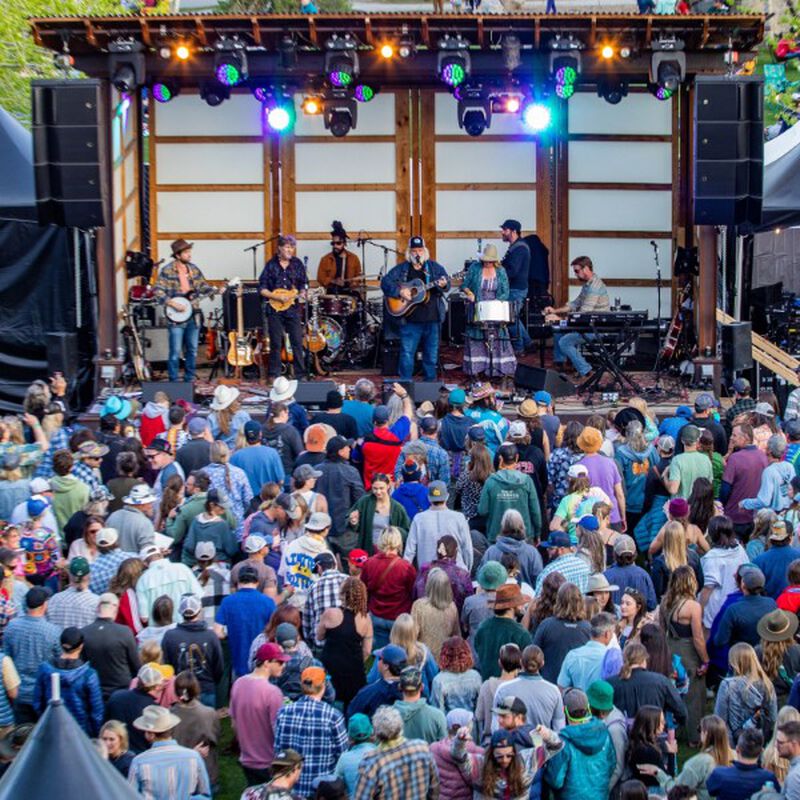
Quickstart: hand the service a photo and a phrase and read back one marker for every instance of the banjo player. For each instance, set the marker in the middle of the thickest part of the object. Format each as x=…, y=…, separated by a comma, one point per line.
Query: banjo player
x=178, y=282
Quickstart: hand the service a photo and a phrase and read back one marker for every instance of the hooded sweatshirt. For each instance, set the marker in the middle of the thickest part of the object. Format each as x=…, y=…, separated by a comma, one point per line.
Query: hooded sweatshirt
x=634, y=468
x=530, y=562
x=584, y=766
x=205, y=528
x=509, y=489
x=154, y=421
x=297, y=565
x=70, y=494
x=80, y=691
x=192, y=645
x=422, y=721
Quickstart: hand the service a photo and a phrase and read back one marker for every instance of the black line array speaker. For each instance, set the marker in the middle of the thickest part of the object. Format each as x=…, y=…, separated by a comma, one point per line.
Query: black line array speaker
x=251, y=306
x=535, y=379
x=737, y=346
x=62, y=354
x=728, y=150
x=68, y=152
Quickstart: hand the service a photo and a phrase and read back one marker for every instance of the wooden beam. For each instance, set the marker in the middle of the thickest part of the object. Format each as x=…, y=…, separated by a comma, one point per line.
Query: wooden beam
x=352, y=139
x=425, y=32
x=427, y=189
x=210, y=235
x=480, y=36
x=312, y=31
x=256, y=30
x=288, y=222
x=209, y=139
x=619, y=137
x=470, y=187
x=344, y=187
x=621, y=187
x=486, y=137
x=368, y=35
x=209, y=187
x=402, y=174
x=200, y=30
x=90, y=34
x=632, y=282
x=620, y=234
x=146, y=38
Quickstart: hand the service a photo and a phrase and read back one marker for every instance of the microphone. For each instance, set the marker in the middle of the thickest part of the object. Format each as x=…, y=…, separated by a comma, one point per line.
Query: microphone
x=653, y=245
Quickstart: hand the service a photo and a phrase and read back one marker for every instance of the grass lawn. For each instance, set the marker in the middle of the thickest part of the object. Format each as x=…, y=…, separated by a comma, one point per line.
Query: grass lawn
x=231, y=777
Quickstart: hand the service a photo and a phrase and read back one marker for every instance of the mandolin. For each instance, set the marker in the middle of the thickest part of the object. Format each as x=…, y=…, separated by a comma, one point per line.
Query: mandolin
x=240, y=351
x=285, y=300
x=399, y=307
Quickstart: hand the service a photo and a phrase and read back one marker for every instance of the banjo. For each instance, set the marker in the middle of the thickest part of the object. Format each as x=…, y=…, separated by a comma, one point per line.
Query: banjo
x=183, y=304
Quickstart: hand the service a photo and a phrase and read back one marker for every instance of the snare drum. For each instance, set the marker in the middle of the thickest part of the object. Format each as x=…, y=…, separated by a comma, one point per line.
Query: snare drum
x=497, y=311
x=337, y=305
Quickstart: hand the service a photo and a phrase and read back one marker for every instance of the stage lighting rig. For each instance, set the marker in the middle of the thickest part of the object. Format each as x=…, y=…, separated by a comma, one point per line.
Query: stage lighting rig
x=453, y=63
x=668, y=65
x=165, y=90
x=126, y=64
x=364, y=92
x=279, y=113
x=312, y=105
x=612, y=90
x=340, y=112
x=564, y=72
x=406, y=47
x=537, y=116
x=474, y=110
x=341, y=60
x=230, y=61
x=214, y=93
x=288, y=50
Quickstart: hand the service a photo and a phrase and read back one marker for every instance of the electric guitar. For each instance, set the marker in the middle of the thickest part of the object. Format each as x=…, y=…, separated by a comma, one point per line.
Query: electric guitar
x=140, y=366
x=240, y=351
x=399, y=307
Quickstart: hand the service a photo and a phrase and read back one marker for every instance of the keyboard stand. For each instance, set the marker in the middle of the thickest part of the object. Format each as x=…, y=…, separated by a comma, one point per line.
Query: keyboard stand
x=607, y=356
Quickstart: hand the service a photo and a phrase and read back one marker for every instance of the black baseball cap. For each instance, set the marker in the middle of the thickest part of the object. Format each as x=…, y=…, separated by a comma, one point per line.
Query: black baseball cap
x=336, y=443
x=36, y=597
x=71, y=639
x=416, y=241
x=512, y=225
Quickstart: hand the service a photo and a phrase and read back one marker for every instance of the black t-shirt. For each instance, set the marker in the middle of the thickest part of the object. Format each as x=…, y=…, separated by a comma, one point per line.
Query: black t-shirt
x=428, y=310
x=343, y=424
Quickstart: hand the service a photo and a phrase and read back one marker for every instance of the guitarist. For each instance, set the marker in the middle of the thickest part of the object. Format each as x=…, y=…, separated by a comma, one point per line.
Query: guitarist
x=284, y=271
x=180, y=278
x=424, y=322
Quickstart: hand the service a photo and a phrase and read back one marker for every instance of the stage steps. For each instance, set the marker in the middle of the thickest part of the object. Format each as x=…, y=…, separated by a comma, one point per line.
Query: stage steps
x=767, y=354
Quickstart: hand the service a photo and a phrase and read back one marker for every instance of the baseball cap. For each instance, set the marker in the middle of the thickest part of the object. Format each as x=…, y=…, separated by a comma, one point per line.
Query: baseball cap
x=313, y=676
x=459, y=718
x=425, y=409
x=600, y=695
x=316, y=437
x=248, y=574
x=517, y=429
x=325, y=560
x=36, y=597
x=254, y=543
x=558, y=539
x=502, y=738
x=336, y=443
x=690, y=434
x=510, y=705
x=334, y=399
x=106, y=599
x=411, y=678
x=37, y=505
x=217, y=496
x=359, y=728
x=741, y=385
x=457, y=397
x=512, y=225
x=99, y=494
x=411, y=471
x=577, y=471
x=765, y=409
x=285, y=761
x=576, y=703
x=394, y=655
x=416, y=241
x=149, y=675
x=149, y=551
x=429, y=424
x=39, y=485
x=380, y=416
x=289, y=505
x=704, y=401
x=753, y=578
x=286, y=634
x=624, y=544
x=160, y=446
x=666, y=443
x=318, y=521
x=106, y=537
x=778, y=531
x=71, y=639
x=437, y=492
x=305, y=472
x=269, y=651
x=190, y=605
x=477, y=434
x=543, y=398
x=197, y=426
x=205, y=551
x=252, y=431
x=589, y=523
x=79, y=567
x=358, y=557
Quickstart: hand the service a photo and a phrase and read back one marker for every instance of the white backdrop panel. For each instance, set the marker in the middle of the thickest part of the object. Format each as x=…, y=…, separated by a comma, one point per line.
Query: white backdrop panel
x=211, y=212
x=640, y=298
x=315, y=210
x=221, y=258
x=119, y=240
x=594, y=210
x=120, y=284
x=624, y=258
x=188, y=115
x=483, y=210
x=620, y=162
x=637, y=113
x=210, y=163
x=129, y=166
x=373, y=257
x=375, y=118
x=369, y=162
x=452, y=253
x=446, y=109
x=130, y=224
x=485, y=162
x=117, y=191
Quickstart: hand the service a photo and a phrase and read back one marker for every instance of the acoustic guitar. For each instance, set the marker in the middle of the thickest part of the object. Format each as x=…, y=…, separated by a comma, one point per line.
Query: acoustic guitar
x=399, y=307
x=240, y=351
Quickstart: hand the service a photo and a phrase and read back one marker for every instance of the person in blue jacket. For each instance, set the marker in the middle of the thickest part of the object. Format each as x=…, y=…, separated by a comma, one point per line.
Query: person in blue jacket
x=423, y=322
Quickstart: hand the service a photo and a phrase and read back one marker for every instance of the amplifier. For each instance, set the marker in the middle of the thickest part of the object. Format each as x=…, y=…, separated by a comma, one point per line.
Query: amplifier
x=155, y=342
x=251, y=304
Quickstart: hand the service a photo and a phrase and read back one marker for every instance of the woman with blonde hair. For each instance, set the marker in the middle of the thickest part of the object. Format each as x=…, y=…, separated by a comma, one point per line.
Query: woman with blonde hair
x=675, y=553
x=771, y=759
x=230, y=481
x=114, y=735
x=677, y=510
x=778, y=652
x=436, y=614
x=715, y=751
x=746, y=698
x=227, y=417
x=650, y=419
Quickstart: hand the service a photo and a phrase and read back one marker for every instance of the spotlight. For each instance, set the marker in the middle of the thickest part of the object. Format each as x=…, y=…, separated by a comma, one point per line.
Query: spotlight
x=230, y=62
x=564, y=71
x=126, y=64
x=182, y=52
x=453, y=63
x=668, y=64
x=364, y=93
x=340, y=112
x=474, y=110
x=280, y=114
x=214, y=93
x=261, y=89
x=607, y=52
x=341, y=60
x=506, y=103
x=659, y=92
x=406, y=48
x=537, y=116
x=387, y=50
x=612, y=90
x=166, y=90
x=165, y=52
x=312, y=105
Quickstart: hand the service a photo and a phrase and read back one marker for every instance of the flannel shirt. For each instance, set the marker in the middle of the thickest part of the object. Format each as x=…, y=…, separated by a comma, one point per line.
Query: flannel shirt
x=29, y=641
x=104, y=568
x=83, y=472
x=240, y=493
x=323, y=594
x=72, y=609
x=741, y=406
x=168, y=284
x=405, y=770
x=438, y=468
x=58, y=441
x=317, y=731
x=168, y=770
x=572, y=567
x=215, y=589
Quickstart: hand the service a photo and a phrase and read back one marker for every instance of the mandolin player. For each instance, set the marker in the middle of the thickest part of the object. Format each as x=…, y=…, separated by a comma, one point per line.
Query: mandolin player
x=182, y=279
x=423, y=322
x=283, y=281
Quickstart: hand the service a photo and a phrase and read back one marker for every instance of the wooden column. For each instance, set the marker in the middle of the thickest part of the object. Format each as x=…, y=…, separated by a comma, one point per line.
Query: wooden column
x=559, y=252
x=425, y=178
x=403, y=212
x=706, y=304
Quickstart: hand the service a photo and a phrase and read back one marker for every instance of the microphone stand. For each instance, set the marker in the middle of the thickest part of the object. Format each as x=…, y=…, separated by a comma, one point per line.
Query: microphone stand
x=382, y=275
x=254, y=250
x=659, y=361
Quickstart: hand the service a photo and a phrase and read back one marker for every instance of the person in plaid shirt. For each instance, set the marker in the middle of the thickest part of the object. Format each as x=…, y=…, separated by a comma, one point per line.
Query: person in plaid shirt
x=87, y=464
x=323, y=594
x=438, y=461
x=398, y=769
x=313, y=728
x=76, y=606
x=106, y=564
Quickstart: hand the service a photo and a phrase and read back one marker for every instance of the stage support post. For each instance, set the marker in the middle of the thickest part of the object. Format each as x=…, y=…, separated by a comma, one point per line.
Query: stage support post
x=708, y=363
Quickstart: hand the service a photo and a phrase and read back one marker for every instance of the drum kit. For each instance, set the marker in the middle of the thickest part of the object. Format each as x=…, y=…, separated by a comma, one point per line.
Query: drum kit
x=351, y=326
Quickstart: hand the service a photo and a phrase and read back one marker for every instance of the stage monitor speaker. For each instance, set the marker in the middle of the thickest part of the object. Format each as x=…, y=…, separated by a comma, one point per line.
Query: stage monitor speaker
x=314, y=393
x=535, y=379
x=728, y=150
x=68, y=151
x=420, y=391
x=62, y=354
x=175, y=390
x=251, y=305
x=737, y=346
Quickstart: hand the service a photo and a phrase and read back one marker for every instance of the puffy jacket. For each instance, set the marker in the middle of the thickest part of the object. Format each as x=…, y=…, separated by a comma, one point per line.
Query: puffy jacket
x=80, y=691
x=743, y=705
x=452, y=784
x=584, y=766
x=530, y=562
x=509, y=489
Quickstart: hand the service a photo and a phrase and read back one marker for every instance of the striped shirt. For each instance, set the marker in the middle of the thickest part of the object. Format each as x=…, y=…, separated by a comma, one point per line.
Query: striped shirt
x=168, y=771
x=572, y=567
x=72, y=609
x=593, y=296
x=322, y=595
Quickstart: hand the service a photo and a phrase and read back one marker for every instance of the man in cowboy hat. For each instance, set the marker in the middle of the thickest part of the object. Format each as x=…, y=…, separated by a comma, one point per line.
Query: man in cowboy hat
x=166, y=771
x=283, y=391
x=133, y=522
x=180, y=278
x=501, y=629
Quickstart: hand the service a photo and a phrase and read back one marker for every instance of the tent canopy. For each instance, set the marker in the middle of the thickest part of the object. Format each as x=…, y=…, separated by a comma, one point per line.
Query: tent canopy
x=17, y=188
x=781, y=187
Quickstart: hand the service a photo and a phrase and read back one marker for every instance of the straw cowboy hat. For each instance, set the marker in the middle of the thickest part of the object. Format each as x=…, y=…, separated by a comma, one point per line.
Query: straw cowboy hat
x=282, y=389
x=490, y=253
x=156, y=719
x=223, y=397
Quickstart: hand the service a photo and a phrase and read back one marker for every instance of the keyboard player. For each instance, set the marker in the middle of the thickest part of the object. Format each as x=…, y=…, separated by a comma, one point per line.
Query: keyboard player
x=592, y=297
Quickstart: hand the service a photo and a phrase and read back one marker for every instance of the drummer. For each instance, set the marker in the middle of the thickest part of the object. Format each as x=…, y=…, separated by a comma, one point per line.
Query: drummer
x=486, y=280
x=340, y=270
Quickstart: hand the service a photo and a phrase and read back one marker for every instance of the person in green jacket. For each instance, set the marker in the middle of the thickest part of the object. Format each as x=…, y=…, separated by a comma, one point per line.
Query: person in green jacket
x=361, y=517
x=501, y=628
x=211, y=526
x=420, y=720
x=70, y=494
x=509, y=488
x=585, y=764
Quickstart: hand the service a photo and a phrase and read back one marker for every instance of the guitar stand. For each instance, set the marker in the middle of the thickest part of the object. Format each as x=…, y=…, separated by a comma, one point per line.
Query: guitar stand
x=608, y=355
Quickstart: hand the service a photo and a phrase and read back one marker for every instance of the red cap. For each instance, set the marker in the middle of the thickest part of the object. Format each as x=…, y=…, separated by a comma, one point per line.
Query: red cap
x=358, y=557
x=269, y=651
